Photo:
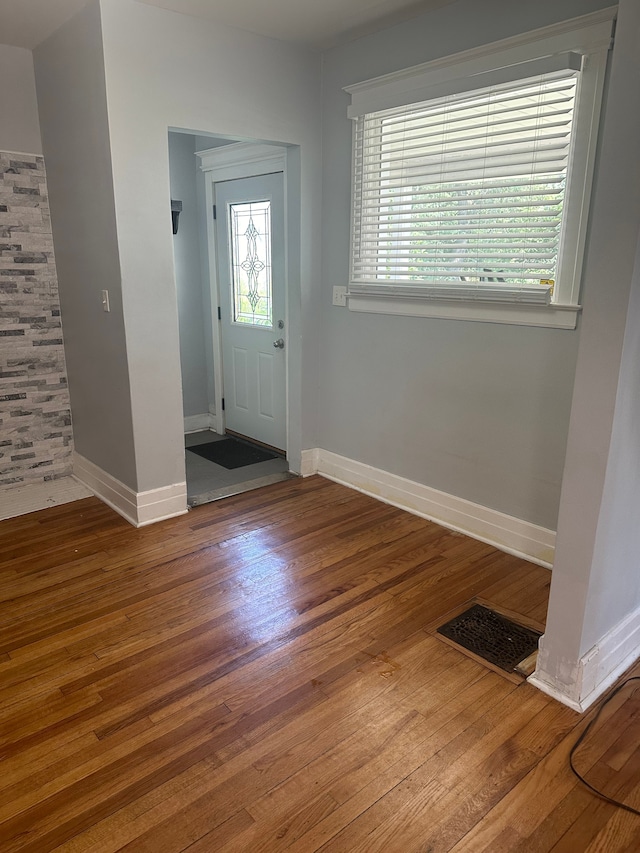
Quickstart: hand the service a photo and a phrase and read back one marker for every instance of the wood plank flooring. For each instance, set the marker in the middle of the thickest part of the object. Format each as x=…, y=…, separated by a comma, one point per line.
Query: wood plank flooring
x=258, y=676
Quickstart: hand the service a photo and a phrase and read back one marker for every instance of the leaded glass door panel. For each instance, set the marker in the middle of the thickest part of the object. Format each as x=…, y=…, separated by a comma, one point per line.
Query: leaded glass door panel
x=250, y=251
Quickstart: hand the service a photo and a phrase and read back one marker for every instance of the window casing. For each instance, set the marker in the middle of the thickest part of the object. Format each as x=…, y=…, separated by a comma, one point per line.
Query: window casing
x=472, y=178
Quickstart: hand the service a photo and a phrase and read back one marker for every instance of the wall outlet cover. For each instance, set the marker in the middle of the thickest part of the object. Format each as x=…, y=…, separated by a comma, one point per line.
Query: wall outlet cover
x=340, y=296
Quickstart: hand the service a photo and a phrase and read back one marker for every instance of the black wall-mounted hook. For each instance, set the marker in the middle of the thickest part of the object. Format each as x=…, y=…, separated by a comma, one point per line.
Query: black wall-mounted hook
x=176, y=210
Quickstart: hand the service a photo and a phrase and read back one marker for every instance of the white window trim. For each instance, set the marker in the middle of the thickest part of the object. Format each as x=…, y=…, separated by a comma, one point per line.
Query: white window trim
x=589, y=34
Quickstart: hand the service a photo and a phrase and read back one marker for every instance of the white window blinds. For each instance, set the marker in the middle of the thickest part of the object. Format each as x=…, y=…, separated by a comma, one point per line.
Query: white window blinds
x=466, y=188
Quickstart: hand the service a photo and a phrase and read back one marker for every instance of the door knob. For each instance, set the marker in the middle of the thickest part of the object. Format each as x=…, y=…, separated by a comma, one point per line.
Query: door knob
x=279, y=344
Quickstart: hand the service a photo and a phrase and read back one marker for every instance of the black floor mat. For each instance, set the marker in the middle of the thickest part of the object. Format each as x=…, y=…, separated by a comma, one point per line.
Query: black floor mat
x=491, y=636
x=231, y=453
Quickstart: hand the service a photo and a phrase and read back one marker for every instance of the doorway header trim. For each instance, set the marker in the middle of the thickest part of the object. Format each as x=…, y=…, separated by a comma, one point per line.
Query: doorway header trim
x=242, y=160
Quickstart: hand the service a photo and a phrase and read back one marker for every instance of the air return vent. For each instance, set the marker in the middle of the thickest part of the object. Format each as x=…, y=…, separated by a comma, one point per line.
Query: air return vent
x=491, y=636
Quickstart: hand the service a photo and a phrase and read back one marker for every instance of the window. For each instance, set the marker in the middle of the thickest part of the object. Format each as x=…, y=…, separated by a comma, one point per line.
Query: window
x=250, y=241
x=472, y=177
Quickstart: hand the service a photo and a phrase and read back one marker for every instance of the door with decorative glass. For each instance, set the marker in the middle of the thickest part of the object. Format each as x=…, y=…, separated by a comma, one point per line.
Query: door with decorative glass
x=250, y=252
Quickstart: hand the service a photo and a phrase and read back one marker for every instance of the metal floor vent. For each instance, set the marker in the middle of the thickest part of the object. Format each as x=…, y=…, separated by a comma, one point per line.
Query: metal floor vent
x=491, y=636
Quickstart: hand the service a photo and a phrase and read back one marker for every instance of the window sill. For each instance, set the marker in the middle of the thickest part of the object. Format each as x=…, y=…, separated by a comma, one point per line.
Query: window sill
x=553, y=316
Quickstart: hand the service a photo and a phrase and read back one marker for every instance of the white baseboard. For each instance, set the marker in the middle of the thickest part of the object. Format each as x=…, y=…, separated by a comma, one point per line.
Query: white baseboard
x=579, y=684
x=505, y=532
x=309, y=462
x=139, y=508
x=198, y=423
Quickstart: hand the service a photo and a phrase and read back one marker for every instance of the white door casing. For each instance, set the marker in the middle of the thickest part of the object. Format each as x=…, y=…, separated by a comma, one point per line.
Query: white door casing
x=221, y=164
x=250, y=255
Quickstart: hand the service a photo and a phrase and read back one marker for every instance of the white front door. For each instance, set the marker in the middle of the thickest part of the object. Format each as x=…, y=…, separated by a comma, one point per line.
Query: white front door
x=251, y=276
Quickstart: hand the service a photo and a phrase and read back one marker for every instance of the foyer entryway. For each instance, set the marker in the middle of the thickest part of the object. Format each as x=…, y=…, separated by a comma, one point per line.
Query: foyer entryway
x=208, y=481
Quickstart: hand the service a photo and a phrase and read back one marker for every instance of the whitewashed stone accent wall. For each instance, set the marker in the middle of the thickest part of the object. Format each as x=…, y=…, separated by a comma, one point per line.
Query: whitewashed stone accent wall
x=35, y=414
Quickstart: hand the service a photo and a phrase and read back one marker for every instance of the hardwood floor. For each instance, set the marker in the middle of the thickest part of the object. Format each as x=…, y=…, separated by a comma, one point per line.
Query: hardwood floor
x=257, y=676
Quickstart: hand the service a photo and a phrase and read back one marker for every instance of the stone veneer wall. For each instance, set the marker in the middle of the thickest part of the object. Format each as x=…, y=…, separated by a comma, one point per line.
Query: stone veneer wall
x=35, y=414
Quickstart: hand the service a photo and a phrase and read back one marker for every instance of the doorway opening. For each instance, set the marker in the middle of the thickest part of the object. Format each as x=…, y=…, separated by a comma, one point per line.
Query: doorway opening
x=230, y=259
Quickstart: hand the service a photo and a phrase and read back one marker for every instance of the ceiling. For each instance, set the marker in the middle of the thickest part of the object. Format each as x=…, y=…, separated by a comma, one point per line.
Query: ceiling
x=315, y=23
x=25, y=23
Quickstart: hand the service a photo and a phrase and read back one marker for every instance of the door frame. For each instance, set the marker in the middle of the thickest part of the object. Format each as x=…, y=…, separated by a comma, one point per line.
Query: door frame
x=228, y=163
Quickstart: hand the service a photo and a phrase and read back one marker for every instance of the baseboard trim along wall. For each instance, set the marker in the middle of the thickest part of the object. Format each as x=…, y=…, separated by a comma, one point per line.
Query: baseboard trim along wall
x=197, y=423
x=580, y=684
x=309, y=462
x=138, y=508
x=504, y=532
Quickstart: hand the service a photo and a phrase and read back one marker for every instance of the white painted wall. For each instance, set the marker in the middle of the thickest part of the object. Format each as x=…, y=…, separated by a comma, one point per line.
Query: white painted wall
x=204, y=77
x=19, y=124
x=73, y=114
x=476, y=410
x=617, y=547
x=193, y=308
x=594, y=615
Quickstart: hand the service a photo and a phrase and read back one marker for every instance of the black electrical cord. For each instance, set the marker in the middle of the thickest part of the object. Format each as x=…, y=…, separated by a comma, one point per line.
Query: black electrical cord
x=581, y=739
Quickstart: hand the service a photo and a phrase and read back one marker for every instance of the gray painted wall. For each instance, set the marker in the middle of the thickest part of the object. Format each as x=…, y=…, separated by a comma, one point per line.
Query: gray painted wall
x=73, y=113
x=183, y=80
x=202, y=144
x=19, y=125
x=192, y=307
x=478, y=410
